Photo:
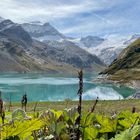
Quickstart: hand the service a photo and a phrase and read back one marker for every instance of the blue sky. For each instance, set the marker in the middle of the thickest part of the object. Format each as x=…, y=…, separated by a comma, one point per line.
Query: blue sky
x=78, y=17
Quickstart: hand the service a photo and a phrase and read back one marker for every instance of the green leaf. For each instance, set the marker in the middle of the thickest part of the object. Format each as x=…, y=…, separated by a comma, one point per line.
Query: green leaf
x=126, y=119
x=23, y=129
x=70, y=119
x=57, y=114
x=90, y=133
x=128, y=134
x=75, y=116
x=60, y=127
x=87, y=119
x=107, y=124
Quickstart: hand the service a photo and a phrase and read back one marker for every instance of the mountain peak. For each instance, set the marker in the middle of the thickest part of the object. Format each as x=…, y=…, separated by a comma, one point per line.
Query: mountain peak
x=5, y=24
x=92, y=37
x=47, y=24
x=1, y=19
x=15, y=32
x=36, y=22
x=43, y=32
x=91, y=41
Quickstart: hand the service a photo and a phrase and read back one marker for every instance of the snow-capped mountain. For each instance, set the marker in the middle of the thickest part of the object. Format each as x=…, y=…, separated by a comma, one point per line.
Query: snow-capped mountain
x=64, y=49
x=108, y=48
x=19, y=51
x=42, y=32
x=112, y=47
x=91, y=41
x=87, y=42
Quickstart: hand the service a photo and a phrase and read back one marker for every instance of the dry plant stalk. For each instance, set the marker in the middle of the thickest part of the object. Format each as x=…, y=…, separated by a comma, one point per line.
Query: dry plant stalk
x=80, y=92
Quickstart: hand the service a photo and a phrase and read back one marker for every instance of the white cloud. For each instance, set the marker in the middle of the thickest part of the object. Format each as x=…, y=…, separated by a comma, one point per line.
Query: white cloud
x=71, y=16
x=99, y=26
x=23, y=10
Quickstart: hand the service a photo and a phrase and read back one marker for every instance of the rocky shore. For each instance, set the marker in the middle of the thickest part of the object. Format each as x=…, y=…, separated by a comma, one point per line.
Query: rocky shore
x=103, y=79
x=135, y=84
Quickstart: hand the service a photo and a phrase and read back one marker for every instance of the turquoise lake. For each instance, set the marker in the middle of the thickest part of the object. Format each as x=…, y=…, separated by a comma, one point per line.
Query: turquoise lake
x=43, y=87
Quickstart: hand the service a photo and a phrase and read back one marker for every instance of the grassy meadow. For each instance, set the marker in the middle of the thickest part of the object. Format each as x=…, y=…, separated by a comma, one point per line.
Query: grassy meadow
x=106, y=107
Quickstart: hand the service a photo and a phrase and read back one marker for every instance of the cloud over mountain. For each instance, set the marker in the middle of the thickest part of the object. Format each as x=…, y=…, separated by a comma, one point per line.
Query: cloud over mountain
x=77, y=18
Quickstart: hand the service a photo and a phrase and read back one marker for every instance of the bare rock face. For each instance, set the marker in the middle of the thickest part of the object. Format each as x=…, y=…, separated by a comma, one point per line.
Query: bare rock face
x=42, y=32
x=70, y=53
x=61, y=48
x=15, y=32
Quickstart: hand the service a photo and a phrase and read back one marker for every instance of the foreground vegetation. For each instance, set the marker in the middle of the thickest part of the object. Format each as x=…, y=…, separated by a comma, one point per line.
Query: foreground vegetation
x=105, y=121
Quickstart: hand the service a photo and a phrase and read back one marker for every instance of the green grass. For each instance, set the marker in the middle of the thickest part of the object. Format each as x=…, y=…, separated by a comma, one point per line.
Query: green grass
x=128, y=75
x=106, y=107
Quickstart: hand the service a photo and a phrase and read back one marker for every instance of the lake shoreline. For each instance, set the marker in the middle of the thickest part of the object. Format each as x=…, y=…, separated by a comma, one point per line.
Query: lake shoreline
x=134, y=84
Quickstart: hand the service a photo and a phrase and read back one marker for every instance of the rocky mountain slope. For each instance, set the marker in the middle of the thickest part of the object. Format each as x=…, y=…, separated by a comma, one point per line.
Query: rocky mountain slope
x=42, y=32
x=126, y=67
x=66, y=51
x=15, y=32
x=23, y=53
x=14, y=58
x=61, y=48
x=43, y=48
x=107, y=48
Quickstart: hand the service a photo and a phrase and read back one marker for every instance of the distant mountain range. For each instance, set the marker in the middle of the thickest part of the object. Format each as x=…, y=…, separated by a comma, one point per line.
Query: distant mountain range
x=40, y=47
x=44, y=48
x=107, y=48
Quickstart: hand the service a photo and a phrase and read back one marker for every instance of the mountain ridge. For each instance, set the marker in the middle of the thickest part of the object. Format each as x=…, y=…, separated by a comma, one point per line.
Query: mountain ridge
x=106, y=48
x=42, y=32
x=27, y=54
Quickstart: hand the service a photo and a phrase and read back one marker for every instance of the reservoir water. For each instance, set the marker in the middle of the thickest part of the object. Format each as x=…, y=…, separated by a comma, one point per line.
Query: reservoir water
x=43, y=87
